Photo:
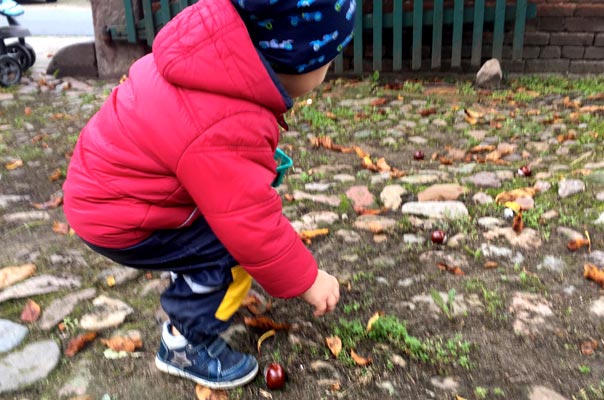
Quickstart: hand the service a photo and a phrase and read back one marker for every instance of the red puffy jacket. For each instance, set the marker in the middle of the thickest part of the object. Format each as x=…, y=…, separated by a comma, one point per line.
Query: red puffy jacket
x=192, y=130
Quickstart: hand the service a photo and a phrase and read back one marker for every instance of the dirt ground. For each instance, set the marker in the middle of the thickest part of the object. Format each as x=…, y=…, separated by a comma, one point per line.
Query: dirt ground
x=478, y=350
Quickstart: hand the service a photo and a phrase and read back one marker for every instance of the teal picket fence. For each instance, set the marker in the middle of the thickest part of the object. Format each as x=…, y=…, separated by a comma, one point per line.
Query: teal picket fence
x=447, y=28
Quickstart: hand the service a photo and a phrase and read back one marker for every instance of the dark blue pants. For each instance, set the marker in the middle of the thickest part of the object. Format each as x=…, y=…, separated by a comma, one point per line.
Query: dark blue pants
x=203, y=276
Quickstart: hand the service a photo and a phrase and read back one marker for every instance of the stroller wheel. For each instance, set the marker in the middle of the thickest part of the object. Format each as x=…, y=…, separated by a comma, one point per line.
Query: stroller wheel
x=10, y=70
x=32, y=54
x=21, y=54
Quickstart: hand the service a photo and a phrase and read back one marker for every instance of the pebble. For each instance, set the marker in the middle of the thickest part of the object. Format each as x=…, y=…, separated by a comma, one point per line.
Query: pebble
x=441, y=192
x=527, y=239
x=348, y=236
x=597, y=257
x=544, y=393
x=483, y=179
x=373, y=222
x=360, y=196
x=411, y=238
x=490, y=222
x=446, y=383
x=40, y=284
x=436, y=209
x=27, y=216
x=330, y=200
x=391, y=196
x=29, y=365
x=344, y=178
x=569, y=187
x=482, y=198
x=553, y=264
x=6, y=199
x=60, y=308
x=421, y=179
x=530, y=311
x=11, y=335
x=118, y=275
x=107, y=313
x=317, y=187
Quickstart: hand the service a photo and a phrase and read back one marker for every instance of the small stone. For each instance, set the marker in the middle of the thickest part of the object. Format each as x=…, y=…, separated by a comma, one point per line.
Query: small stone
x=348, y=236
x=597, y=307
x=387, y=386
x=436, y=209
x=527, y=239
x=441, y=192
x=542, y=186
x=551, y=263
x=411, y=238
x=549, y=215
x=29, y=365
x=600, y=196
x=27, y=216
x=60, y=308
x=107, y=313
x=317, y=187
x=118, y=275
x=490, y=75
x=78, y=384
x=596, y=257
x=40, y=284
x=456, y=240
x=6, y=199
x=600, y=220
x=447, y=383
x=526, y=203
x=568, y=187
x=372, y=222
x=360, y=196
x=490, y=222
x=543, y=393
x=333, y=200
x=391, y=196
x=11, y=335
x=530, y=311
x=482, y=198
x=489, y=250
x=398, y=360
x=568, y=233
x=483, y=179
x=421, y=179
x=344, y=178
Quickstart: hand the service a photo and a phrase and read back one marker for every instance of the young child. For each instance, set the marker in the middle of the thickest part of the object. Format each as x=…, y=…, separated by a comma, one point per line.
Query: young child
x=174, y=172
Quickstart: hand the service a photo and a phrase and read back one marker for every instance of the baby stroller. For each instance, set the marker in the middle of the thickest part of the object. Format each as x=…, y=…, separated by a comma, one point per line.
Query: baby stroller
x=15, y=57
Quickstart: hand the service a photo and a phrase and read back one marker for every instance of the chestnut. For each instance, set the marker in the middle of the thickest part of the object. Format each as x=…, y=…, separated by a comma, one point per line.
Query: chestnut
x=525, y=170
x=418, y=155
x=438, y=236
x=274, y=374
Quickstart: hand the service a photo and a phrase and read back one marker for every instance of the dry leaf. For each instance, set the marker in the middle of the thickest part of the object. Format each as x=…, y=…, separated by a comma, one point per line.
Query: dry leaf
x=256, y=303
x=376, y=227
x=205, y=393
x=54, y=202
x=577, y=243
x=482, y=148
x=370, y=211
x=451, y=269
x=518, y=223
x=265, y=394
x=55, y=175
x=77, y=343
x=13, y=165
x=512, y=195
x=379, y=102
x=265, y=336
x=589, y=347
x=13, y=274
x=360, y=361
x=31, y=312
x=265, y=323
x=490, y=265
x=308, y=235
x=593, y=273
x=427, y=111
x=335, y=345
x=336, y=386
x=61, y=228
x=128, y=343
x=373, y=320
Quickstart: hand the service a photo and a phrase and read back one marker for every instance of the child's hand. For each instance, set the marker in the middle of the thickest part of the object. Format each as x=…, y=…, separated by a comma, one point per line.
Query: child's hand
x=324, y=294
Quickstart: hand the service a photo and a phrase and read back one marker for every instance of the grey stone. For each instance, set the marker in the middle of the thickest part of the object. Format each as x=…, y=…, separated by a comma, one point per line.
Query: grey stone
x=391, y=196
x=317, y=186
x=598, y=165
x=77, y=385
x=490, y=222
x=530, y=311
x=596, y=257
x=411, y=238
x=71, y=258
x=436, y=209
x=344, y=178
x=568, y=187
x=107, y=313
x=600, y=219
x=544, y=393
x=446, y=383
x=462, y=304
x=490, y=74
x=443, y=191
x=542, y=186
x=420, y=179
x=489, y=250
x=348, y=236
x=29, y=365
x=60, y=308
x=388, y=387
x=78, y=59
x=551, y=263
x=314, y=220
x=483, y=179
x=40, y=284
x=6, y=199
x=371, y=222
x=527, y=239
x=119, y=274
x=11, y=335
x=330, y=200
x=482, y=198
x=27, y=216
x=568, y=233
x=449, y=258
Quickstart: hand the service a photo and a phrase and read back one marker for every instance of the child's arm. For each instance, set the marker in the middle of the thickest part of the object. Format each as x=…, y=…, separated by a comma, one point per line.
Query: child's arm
x=324, y=294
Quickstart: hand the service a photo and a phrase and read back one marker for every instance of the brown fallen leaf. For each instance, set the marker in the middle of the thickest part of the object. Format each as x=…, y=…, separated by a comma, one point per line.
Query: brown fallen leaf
x=265, y=335
x=13, y=165
x=512, y=195
x=13, y=274
x=31, y=312
x=589, y=347
x=593, y=273
x=265, y=323
x=369, y=211
x=451, y=269
x=427, y=111
x=308, y=235
x=577, y=243
x=77, y=343
x=373, y=320
x=54, y=202
x=571, y=135
x=376, y=227
x=128, y=342
x=61, y=228
x=55, y=175
x=360, y=361
x=490, y=265
x=335, y=345
x=205, y=393
x=481, y=148
x=256, y=303
x=518, y=223
x=379, y=102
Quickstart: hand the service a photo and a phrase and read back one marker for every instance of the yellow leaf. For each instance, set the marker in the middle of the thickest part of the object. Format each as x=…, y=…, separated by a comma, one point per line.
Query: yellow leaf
x=205, y=393
x=110, y=281
x=13, y=165
x=335, y=345
x=265, y=336
x=360, y=361
x=373, y=319
x=513, y=205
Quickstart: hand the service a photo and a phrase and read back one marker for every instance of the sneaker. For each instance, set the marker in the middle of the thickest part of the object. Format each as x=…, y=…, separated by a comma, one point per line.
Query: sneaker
x=211, y=363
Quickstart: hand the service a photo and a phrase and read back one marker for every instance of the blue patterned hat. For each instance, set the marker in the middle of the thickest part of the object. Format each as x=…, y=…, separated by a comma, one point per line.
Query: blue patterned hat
x=298, y=36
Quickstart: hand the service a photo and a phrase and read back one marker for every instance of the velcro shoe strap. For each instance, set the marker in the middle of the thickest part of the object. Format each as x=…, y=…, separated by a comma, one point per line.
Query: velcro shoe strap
x=216, y=347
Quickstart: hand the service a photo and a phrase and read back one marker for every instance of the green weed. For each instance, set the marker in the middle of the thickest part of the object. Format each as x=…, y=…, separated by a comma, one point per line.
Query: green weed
x=446, y=307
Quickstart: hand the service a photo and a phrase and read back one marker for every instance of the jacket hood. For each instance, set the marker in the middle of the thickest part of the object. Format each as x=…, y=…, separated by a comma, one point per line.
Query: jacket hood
x=207, y=47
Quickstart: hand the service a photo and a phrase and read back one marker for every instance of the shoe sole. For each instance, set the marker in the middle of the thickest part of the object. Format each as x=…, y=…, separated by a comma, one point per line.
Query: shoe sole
x=172, y=370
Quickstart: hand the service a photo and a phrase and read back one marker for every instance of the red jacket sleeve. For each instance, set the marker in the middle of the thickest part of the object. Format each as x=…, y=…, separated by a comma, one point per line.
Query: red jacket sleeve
x=228, y=172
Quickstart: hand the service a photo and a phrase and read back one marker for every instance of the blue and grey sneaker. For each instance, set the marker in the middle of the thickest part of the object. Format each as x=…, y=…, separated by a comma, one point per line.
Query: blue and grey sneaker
x=211, y=363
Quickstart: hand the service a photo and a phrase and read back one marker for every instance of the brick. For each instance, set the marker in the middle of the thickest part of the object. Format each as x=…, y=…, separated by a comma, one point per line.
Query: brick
x=586, y=67
x=573, y=52
x=536, y=66
x=589, y=10
x=550, y=52
x=551, y=24
x=538, y=38
x=581, y=24
x=599, y=40
x=513, y=65
x=531, y=52
x=556, y=10
x=594, y=53
x=572, y=38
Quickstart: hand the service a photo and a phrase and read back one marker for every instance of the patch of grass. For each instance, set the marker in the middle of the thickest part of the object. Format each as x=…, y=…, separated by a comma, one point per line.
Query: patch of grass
x=584, y=369
x=556, y=84
x=466, y=88
x=481, y=392
x=446, y=307
x=493, y=301
x=413, y=87
x=592, y=392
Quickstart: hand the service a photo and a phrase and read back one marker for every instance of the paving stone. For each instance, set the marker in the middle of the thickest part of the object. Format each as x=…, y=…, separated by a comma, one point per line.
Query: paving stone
x=531, y=312
x=436, y=209
x=527, y=239
x=29, y=365
x=420, y=179
x=330, y=200
x=118, y=275
x=373, y=222
x=107, y=313
x=569, y=187
x=391, y=196
x=348, y=236
x=60, y=308
x=11, y=335
x=553, y=264
x=40, y=284
x=483, y=179
x=544, y=393
x=360, y=196
x=443, y=191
